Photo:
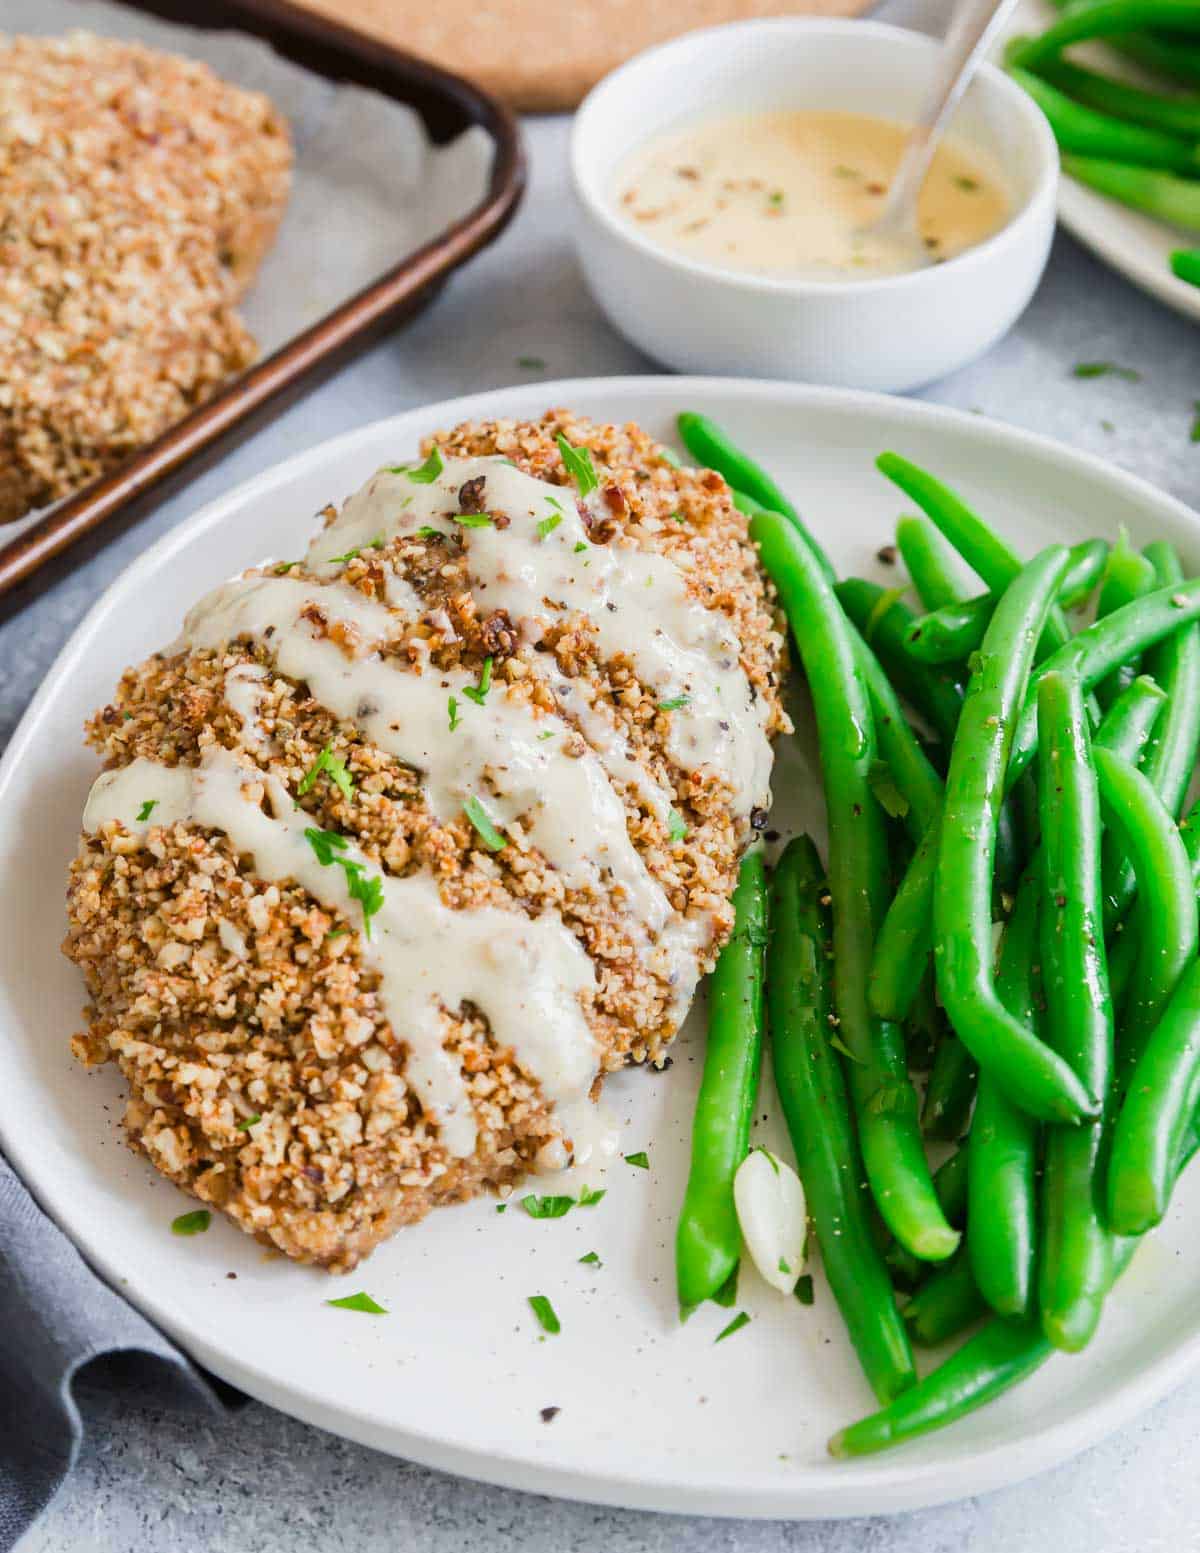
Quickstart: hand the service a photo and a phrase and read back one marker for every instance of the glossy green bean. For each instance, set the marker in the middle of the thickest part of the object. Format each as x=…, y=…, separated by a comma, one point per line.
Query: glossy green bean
x=1162, y=195
x=950, y=1184
x=1167, y=918
x=1185, y=263
x=884, y=621
x=1127, y=576
x=1074, y=1273
x=929, y=562
x=1154, y=110
x=1171, y=57
x=946, y=1303
x=715, y=449
x=1089, y=132
x=812, y=1093
x=1105, y=18
x=952, y=633
x=1150, y=1126
x=708, y=1241
x=950, y=1091
x=884, y=1100
x=1033, y=1076
x=904, y=942
x=899, y=748
x=1002, y=1145
x=1174, y=664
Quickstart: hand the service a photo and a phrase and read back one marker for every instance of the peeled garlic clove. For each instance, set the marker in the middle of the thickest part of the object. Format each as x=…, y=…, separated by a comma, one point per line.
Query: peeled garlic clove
x=773, y=1216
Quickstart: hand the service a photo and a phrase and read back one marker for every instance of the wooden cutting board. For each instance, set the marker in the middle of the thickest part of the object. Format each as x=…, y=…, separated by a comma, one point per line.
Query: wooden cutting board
x=541, y=57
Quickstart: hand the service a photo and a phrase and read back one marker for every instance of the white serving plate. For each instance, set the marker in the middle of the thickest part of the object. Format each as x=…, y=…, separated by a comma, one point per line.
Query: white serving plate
x=1135, y=245
x=653, y=1415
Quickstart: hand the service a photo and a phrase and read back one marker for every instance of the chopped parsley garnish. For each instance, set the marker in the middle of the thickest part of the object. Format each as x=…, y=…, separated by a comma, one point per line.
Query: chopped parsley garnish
x=580, y=545
x=531, y=363
x=147, y=809
x=1196, y=420
x=452, y=709
x=248, y=1121
x=675, y=704
x=547, y=1207
x=842, y=171
x=426, y=473
x=676, y=827
x=334, y=768
x=547, y=526
x=549, y=734
x=783, y=1266
x=282, y=569
x=739, y=1321
x=804, y=1289
x=1105, y=369
x=473, y=519
x=336, y=932
x=678, y=516
x=588, y=1198
x=578, y=464
x=591, y=1260
x=544, y=1312
x=478, y=693
x=427, y=531
x=194, y=1223
x=325, y=843
x=484, y=824
x=641, y=1159
x=775, y=199
x=374, y=544
x=967, y=185
x=361, y=1302
x=883, y=784
x=501, y=1206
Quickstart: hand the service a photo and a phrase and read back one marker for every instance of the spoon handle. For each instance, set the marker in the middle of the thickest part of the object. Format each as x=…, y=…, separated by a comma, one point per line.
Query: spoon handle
x=973, y=26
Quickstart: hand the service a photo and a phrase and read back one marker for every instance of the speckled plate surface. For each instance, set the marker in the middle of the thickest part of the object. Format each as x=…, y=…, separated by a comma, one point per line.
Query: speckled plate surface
x=651, y=1414
x=1137, y=246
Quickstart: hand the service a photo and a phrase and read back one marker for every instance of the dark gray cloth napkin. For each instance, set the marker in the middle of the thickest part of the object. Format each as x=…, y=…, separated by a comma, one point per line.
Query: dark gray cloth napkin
x=57, y=1319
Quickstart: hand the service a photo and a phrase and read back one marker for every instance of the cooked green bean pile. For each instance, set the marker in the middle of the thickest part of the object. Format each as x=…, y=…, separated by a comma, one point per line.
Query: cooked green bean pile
x=1139, y=146
x=1006, y=919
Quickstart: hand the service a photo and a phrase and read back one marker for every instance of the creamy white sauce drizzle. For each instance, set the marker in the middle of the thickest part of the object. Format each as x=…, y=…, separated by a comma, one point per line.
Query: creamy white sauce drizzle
x=636, y=599
x=527, y=975
x=243, y=685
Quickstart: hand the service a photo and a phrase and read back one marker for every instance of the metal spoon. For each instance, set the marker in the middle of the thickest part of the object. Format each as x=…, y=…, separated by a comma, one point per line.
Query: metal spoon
x=973, y=25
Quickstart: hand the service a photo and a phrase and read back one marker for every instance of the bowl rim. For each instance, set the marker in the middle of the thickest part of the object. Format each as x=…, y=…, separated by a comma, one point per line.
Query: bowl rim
x=1033, y=209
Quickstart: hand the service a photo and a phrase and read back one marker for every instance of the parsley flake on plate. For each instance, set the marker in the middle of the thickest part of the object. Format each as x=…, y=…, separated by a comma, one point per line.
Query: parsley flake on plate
x=739, y=1321
x=360, y=1302
x=452, y=709
x=334, y=768
x=325, y=843
x=547, y=1207
x=591, y=1260
x=478, y=693
x=589, y=1198
x=578, y=464
x=484, y=824
x=547, y=526
x=194, y=1223
x=474, y=519
x=426, y=473
x=544, y=1311
x=147, y=809
x=675, y=703
x=1105, y=369
x=641, y=1159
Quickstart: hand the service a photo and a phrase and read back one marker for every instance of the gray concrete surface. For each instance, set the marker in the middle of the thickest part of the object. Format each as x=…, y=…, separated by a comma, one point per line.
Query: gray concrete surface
x=150, y=1481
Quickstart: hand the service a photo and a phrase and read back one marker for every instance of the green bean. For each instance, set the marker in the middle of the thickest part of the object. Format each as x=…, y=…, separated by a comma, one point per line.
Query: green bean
x=1185, y=262
x=1088, y=132
x=884, y=1101
x=708, y=1241
x=884, y=620
x=982, y=549
x=992, y=1361
x=812, y=1093
x=1171, y=57
x=899, y=749
x=950, y=1184
x=1101, y=19
x=1174, y=664
x=1167, y=898
x=950, y=1091
x=1151, y=1124
x=904, y=942
x=953, y=632
x=1002, y=1146
x=929, y=561
x=945, y=1303
x=714, y=449
x=1127, y=576
x=1162, y=195
x=1032, y=1075
x=1178, y=115
x=1074, y=1275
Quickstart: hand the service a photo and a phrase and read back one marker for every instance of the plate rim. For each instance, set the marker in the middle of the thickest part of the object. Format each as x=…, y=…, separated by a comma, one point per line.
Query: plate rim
x=882, y=1485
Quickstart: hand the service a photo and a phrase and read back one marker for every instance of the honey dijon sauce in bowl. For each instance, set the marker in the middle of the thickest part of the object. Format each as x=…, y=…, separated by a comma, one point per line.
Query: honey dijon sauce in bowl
x=725, y=183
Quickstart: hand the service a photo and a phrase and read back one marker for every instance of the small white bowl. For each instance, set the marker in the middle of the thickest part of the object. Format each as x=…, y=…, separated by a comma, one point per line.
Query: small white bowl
x=894, y=332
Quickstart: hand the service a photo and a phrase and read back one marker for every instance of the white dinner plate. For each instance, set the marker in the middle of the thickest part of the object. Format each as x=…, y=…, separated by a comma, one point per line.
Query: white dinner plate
x=1135, y=245
x=652, y=1414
